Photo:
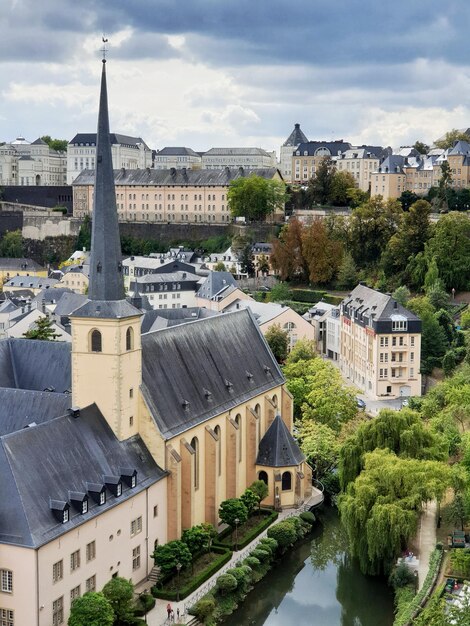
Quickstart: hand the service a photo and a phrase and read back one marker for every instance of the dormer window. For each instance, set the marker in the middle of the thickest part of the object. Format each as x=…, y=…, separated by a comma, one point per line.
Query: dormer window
x=102, y=497
x=79, y=501
x=114, y=484
x=65, y=516
x=129, y=476
x=60, y=510
x=84, y=507
x=97, y=492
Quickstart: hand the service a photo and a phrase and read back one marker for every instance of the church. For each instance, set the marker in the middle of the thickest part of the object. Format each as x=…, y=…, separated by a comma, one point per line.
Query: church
x=119, y=440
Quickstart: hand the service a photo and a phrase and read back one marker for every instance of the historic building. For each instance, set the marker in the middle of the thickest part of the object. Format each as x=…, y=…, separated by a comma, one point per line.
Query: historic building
x=121, y=438
x=380, y=344
x=248, y=158
x=288, y=147
x=31, y=164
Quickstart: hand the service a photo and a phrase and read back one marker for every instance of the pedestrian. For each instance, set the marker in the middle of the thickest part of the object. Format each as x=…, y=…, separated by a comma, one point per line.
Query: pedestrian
x=172, y=616
x=168, y=610
x=178, y=614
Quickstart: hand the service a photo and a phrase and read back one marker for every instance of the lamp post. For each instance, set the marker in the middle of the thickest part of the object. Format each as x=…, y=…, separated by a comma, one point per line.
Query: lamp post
x=237, y=521
x=415, y=574
x=178, y=568
x=140, y=595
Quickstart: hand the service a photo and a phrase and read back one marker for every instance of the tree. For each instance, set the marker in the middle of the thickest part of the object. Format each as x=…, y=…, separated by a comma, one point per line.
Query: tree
x=434, y=342
x=220, y=267
x=356, y=197
x=284, y=533
x=255, y=197
x=263, y=265
x=347, y=272
x=437, y=296
x=60, y=145
x=84, y=234
x=304, y=350
x=421, y=147
x=320, y=445
x=171, y=553
x=401, y=295
x=322, y=254
x=42, y=329
x=91, y=609
x=341, y=185
x=261, y=491
x=287, y=256
x=246, y=261
x=445, y=183
x=280, y=293
x=381, y=508
x=120, y=594
x=432, y=275
x=450, y=247
x=407, y=198
x=278, y=341
x=249, y=499
x=458, y=511
x=199, y=537
x=231, y=510
x=320, y=187
x=404, y=433
x=11, y=245
x=449, y=139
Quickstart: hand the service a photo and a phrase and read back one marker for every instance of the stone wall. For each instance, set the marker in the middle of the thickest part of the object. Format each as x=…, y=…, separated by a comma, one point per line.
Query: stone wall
x=47, y=196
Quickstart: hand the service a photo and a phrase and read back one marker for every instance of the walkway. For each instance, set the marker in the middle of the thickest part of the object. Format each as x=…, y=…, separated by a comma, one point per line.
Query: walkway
x=158, y=615
x=426, y=539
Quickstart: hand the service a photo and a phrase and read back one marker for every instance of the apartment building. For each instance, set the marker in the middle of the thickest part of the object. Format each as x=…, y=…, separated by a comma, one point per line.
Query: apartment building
x=248, y=158
x=380, y=344
x=308, y=156
x=169, y=157
x=169, y=290
x=360, y=163
x=31, y=164
x=128, y=152
x=389, y=179
x=288, y=147
x=170, y=196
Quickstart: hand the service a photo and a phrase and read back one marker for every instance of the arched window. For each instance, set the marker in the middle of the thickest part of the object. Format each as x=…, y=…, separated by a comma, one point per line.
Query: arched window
x=286, y=481
x=195, y=447
x=219, y=449
x=275, y=400
x=263, y=476
x=129, y=338
x=258, y=424
x=95, y=341
x=238, y=421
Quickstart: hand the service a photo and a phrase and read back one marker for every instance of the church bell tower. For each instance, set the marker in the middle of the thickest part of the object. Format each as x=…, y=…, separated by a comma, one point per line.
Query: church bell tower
x=106, y=338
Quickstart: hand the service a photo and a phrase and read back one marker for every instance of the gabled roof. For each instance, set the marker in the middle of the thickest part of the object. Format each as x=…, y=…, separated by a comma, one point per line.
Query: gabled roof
x=46, y=462
x=39, y=142
x=296, y=137
x=278, y=448
x=35, y=365
x=157, y=319
x=20, y=407
x=31, y=282
x=115, y=138
x=52, y=296
x=333, y=147
x=172, y=151
x=10, y=264
x=460, y=148
x=236, y=152
x=373, y=303
x=68, y=303
x=215, y=284
x=195, y=371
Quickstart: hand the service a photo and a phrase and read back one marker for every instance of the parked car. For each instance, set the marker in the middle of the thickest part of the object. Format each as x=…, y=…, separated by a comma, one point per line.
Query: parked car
x=361, y=404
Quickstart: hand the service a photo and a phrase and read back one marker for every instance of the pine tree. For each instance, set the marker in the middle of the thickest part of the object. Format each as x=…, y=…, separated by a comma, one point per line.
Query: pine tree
x=347, y=272
x=42, y=330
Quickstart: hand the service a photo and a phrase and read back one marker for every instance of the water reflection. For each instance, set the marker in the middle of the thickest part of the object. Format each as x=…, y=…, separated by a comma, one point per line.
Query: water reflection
x=317, y=584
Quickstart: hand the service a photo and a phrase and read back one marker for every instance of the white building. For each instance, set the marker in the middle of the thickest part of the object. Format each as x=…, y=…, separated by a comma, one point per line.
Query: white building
x=288, y=147
x=252, y=158
x=169, y=157
x=130, y=153
x=25, y=163
x=176, y=290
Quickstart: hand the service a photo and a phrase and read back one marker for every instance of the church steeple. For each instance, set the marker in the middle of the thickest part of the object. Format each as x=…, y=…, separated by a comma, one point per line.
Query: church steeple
x=106, y=281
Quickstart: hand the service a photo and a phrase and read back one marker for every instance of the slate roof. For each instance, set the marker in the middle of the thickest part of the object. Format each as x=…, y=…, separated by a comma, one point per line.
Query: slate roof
x=310, y=147
x=172, y=151
x=236, y=152
x=32, y=282
x=115, y=138
x=22, y=364
x=39, y=142
x=46, y=462
x=213, y=364
x=68, y=303
x=162, y=318
x=215, y=283
x=166, y=277
x=52, y=296
x=106, y=309
x=262, y=311
x=278, y=448
x=180, y=177
x=18, y=265
x=369, y=301
x=296, y=137
x=393, y=164
x=460, y=148
x=20, y=407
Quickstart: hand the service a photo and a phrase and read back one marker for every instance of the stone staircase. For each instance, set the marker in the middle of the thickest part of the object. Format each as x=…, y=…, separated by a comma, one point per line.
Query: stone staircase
x=154, y=575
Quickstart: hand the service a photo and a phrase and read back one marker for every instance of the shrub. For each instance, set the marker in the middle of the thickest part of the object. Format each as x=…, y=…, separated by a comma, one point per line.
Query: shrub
x=171, y=553
x=308, y=517
x=241, y=576
x=439, y=545
x=270, y=543
x=144, y=603
x=261, y=555
x=226, y=583
x=401, y=576
x=252, y=562
x=297, y=525
x=284, y=533
x=204, y=608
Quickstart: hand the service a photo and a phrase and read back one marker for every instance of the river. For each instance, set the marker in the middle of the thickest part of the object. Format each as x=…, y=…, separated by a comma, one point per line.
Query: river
x=317, y=584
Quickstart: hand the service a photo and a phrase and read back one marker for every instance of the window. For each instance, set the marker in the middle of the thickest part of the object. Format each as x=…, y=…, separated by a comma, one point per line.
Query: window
x=58, y=611
x=6, y=580
x=136, y=526
x=131, y=393
x=383, y=373
x=238, y=421
x=7, y=617
x=90, y=551
x=398, y=325
x=155, y=510
x=75, y=560
x=131, y=420
x=412, y=342
x=74, y=593
x=263, y=476
x=219, y=449
x=129, y=339
x=195, y=446
x=412, y=372
x=58, y=571
x=102, y=497
x=286, y=481
x=65, y=516
x=90, y=583
x=136, y=558
x=384, y=342
x=85, y=506
x=412, y=357
x=96, y=344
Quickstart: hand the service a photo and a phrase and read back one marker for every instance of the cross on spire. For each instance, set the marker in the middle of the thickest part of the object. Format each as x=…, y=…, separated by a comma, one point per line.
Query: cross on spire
x=104, y=49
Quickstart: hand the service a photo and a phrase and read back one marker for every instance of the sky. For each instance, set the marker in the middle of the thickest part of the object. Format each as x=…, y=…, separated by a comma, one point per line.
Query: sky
x=223, y=73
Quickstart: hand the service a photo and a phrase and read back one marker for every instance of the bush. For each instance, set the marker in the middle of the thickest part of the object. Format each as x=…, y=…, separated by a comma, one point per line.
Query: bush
x=269, y=518
x=284, y=533
x=261, y=555
x=226, y=583
x=241, y=576
x=299, y=526
x=308, y=517
x=270, y=543
x=204, y=609
x=144, y=603
x=307, y=295
x=252, y=562
x=401, y=576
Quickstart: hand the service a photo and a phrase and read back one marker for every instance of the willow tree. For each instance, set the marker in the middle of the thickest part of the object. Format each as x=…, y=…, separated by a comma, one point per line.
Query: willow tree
x=403, y=432
x=380, y=509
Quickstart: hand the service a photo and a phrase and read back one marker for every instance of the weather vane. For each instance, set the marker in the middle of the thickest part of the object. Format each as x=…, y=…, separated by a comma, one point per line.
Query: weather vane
x=104, y=49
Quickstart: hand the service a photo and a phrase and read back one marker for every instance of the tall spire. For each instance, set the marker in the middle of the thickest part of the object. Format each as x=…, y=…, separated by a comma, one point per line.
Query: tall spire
x=106, y=281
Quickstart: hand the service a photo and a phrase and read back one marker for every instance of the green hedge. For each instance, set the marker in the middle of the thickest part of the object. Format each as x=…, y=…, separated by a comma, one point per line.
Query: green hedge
x=307, y=295
x=270, y=517
x=407, y=613
x=197, y=581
